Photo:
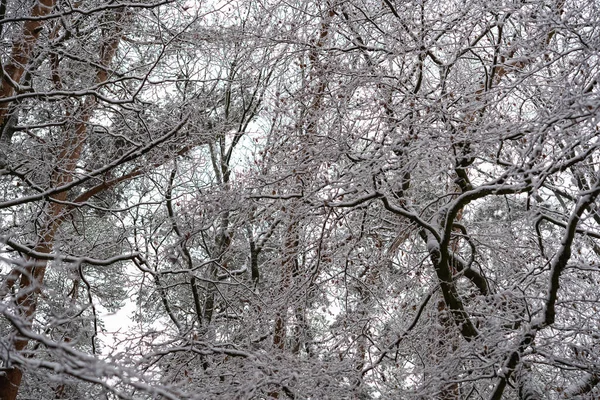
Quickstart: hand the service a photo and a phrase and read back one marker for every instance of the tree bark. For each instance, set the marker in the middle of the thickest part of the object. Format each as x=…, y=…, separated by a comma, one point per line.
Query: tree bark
x=21, y=52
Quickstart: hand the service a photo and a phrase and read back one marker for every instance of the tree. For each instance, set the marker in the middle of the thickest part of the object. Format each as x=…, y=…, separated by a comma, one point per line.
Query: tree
x=302, y=199
x=73, y=128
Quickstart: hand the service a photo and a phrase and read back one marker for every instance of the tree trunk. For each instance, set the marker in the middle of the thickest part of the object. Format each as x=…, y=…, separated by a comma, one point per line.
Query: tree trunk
x=21, y=52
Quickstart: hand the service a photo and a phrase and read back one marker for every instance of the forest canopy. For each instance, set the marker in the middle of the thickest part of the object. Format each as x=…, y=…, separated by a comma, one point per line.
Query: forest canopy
x=299, y=199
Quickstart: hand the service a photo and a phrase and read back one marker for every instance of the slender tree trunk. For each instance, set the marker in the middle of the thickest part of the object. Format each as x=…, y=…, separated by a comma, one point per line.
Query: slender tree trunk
x=21, y=52
x=289, y=268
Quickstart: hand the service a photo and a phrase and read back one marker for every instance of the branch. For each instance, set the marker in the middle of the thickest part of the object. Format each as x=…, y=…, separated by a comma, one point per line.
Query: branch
x=84, y=367
x=65, y=258
x=558, y=264
x=583, y=386
x=403, y=335
x=410, y=215
x=560, y=261
x=129, y=156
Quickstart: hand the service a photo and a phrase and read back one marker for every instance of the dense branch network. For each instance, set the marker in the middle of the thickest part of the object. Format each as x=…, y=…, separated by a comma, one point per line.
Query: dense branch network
x=299, y=199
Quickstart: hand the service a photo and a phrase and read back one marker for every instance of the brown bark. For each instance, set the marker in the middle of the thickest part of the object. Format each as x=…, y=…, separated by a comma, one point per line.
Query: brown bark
x=21, y=52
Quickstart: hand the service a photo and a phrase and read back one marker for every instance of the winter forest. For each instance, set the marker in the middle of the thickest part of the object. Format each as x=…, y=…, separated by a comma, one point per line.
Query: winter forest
x=301, y=199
